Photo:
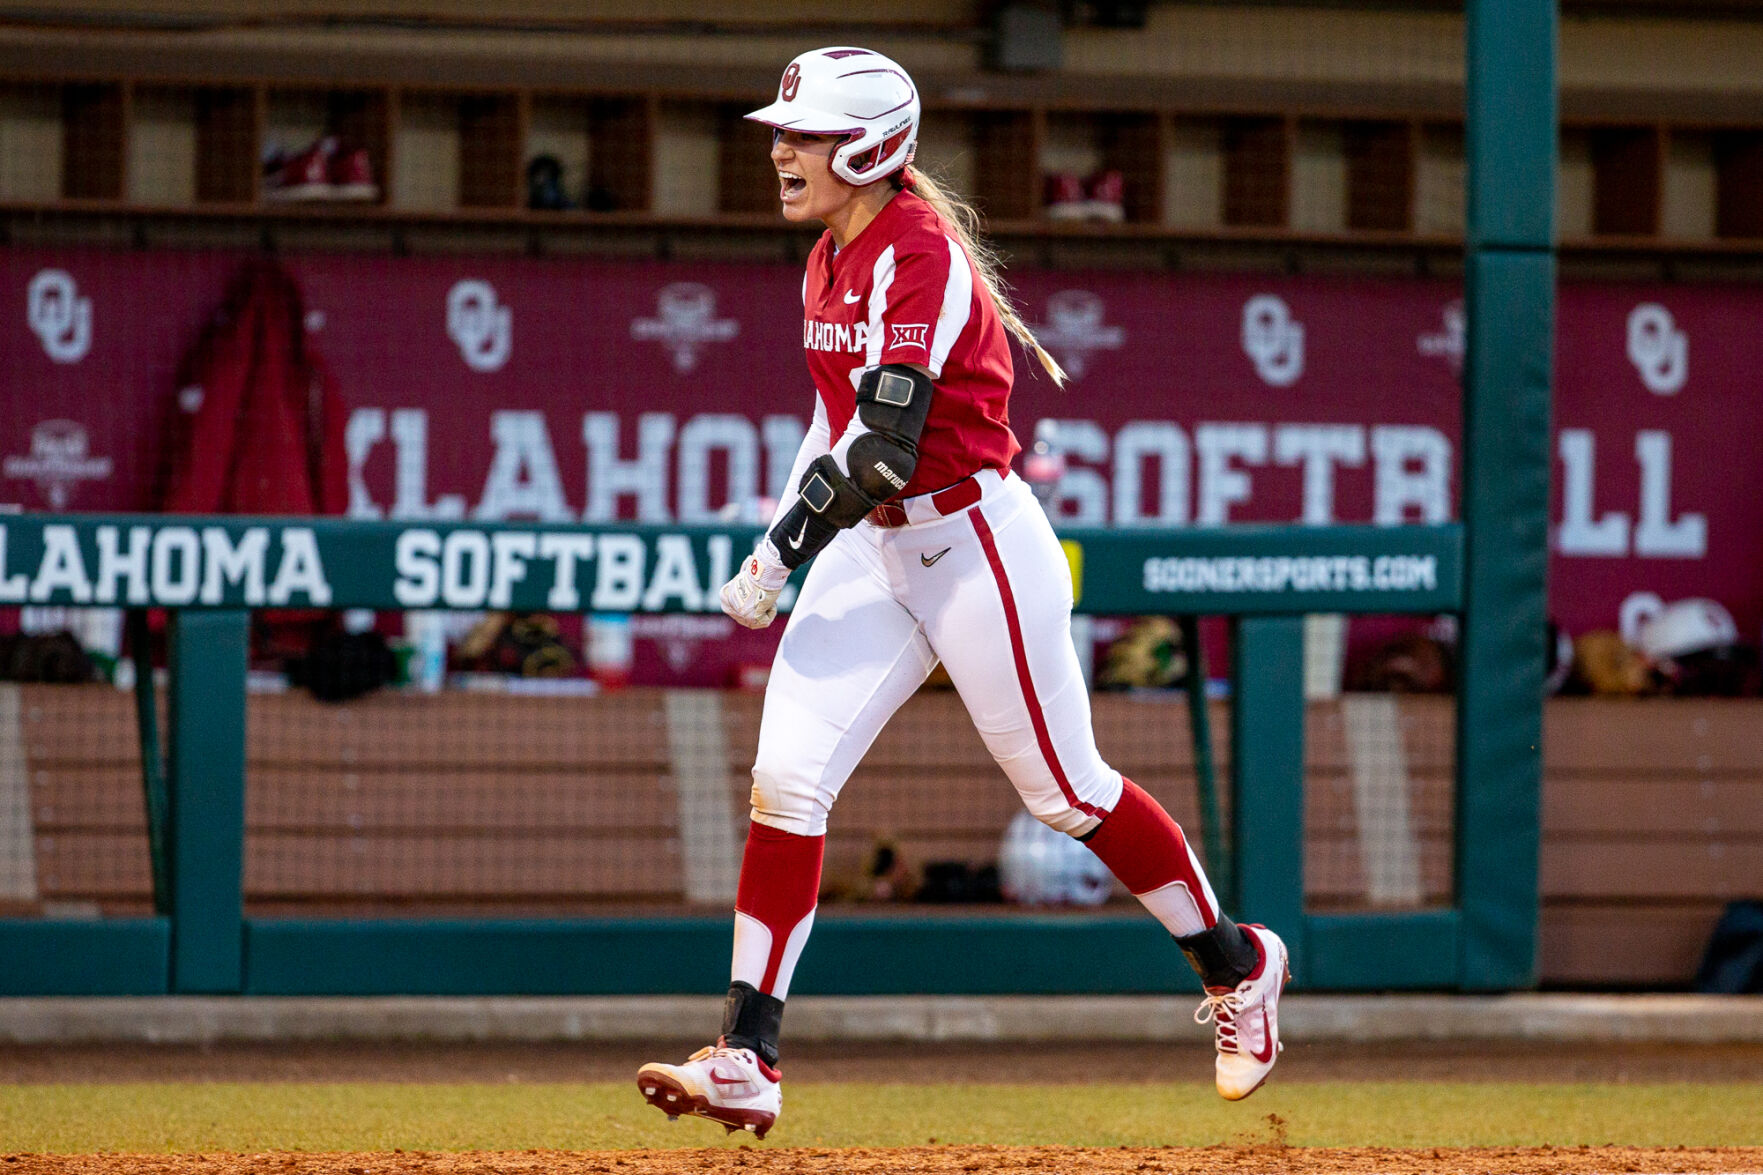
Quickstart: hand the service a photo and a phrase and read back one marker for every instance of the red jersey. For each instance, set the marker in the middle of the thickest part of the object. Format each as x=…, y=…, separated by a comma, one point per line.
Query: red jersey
x=905, y=291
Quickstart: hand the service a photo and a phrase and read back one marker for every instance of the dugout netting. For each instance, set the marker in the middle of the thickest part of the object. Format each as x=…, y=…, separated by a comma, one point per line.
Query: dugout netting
x=73, y=811
x=497, y=795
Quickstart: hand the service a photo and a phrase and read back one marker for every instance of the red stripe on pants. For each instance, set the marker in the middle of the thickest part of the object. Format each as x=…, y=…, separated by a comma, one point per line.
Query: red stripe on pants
x=1038, y=719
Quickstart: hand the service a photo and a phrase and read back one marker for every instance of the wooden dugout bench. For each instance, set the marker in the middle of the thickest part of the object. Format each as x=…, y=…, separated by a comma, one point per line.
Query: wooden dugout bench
x=496, y=804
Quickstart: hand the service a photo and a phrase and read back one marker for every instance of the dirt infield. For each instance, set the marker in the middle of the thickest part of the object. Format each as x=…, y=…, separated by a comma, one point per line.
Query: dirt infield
x=951, y=1160
x=1252, y=1153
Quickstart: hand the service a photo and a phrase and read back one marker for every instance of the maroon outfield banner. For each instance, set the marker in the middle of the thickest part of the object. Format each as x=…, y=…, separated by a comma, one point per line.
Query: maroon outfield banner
x=491, y=387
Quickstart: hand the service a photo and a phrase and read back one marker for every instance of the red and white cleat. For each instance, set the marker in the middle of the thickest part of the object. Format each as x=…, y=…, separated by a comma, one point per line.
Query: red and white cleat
x=1245, y=1019
x=732, y=1087
x=351, y=174
x=306, y=176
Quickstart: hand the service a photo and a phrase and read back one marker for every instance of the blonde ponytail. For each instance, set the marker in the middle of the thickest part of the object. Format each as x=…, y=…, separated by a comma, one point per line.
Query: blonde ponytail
x=963, y=221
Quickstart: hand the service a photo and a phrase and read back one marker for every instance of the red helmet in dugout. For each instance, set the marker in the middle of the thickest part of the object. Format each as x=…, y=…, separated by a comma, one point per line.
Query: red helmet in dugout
x=852, y=92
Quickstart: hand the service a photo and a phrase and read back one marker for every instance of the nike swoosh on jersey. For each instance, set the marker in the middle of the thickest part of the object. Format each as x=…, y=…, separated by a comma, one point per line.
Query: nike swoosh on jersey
x=931, y=560
x=851, y=296
x=796, y=543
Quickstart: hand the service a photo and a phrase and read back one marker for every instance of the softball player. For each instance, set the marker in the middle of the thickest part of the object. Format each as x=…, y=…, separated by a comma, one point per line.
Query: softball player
x=929, y=548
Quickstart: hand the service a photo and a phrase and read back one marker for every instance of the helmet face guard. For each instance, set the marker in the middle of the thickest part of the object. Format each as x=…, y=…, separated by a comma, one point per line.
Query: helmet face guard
x=857, y=95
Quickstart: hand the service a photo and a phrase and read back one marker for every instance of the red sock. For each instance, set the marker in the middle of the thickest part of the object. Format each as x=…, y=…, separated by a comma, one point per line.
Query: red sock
x=774, y=906
x=1144, y=847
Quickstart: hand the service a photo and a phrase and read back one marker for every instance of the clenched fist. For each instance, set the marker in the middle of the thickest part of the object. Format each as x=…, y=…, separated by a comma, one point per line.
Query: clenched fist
x=751, y=596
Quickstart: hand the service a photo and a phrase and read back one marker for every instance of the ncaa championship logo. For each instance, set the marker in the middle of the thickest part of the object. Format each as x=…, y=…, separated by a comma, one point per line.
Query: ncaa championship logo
x=1659, y=351
x=1273, y=340
x=1075, y=327
x=59, y=460
x=685, y=321
x=59, y=316
x=1449, y=343
x=483, y=330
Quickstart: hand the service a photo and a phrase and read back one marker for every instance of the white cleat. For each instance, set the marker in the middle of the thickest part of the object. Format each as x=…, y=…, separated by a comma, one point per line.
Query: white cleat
x=1245, y=1019
x=731, y=1087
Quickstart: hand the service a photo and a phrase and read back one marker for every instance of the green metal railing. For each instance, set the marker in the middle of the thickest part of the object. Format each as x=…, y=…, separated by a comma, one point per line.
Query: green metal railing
x=211, y=572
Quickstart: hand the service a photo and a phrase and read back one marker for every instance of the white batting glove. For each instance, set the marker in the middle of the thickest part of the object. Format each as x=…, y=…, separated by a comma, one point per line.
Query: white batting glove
x=751, y=596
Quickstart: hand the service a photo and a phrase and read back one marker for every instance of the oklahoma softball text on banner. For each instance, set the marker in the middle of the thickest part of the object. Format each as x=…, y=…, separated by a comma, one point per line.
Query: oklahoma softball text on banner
x=576, y=390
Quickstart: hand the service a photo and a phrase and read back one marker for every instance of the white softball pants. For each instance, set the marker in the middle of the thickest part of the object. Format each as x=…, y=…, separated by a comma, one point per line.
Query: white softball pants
x=986, y=590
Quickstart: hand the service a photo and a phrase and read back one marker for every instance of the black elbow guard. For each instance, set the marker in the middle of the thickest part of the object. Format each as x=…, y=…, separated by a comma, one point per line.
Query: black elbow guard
x=880, y=466
x=893, y=403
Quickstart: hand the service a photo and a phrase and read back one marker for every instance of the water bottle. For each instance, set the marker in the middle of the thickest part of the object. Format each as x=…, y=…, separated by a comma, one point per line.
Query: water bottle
x=427, y=632
x=1044, y=469
x=610, y=651
x=1044, y=466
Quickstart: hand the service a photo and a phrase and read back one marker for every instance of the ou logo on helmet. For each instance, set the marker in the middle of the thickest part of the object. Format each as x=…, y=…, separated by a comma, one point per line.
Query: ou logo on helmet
x=791, y=83
x=1659, y=351
x=1273, y=340
x=483, y=330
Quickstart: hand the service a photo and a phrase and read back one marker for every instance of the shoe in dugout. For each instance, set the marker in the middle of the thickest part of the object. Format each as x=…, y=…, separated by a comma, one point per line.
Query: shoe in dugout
x=1245, y=1018
x=734, y=1088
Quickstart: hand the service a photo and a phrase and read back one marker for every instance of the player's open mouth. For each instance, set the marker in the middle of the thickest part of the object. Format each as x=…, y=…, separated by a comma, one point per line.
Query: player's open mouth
x=792, y=186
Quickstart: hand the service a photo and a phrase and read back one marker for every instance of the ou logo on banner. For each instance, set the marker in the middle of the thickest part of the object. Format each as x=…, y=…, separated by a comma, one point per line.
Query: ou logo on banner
x=59, y=316
x=1273, y=340
x=1659, y=351
x=483, y=330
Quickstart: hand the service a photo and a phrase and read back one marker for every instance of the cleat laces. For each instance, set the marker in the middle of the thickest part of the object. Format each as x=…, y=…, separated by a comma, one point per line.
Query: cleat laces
x=1221, y=1009
x=719, y=1049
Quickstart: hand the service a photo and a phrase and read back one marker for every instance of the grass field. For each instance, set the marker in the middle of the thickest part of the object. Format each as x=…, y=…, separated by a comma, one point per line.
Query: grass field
x=256, y=1117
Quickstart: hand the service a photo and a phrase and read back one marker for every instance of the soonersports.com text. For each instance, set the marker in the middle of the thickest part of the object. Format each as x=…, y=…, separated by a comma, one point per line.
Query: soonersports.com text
x=1341, y=573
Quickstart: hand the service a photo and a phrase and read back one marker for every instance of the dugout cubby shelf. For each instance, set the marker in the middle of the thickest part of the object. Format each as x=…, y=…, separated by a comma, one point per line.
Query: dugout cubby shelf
x=1257, y=152
x=1380, y=158
x=94, y=128
x=1738, y=169
x=663, y=157
x=746, y=181
x=1628, y=163
x=227, y=127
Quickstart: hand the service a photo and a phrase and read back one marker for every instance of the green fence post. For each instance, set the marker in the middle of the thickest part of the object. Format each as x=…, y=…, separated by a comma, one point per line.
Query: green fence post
x=1509, y=295
x=1267, y=775
x=1219, y=865
x=207, y=841
x=158, y=804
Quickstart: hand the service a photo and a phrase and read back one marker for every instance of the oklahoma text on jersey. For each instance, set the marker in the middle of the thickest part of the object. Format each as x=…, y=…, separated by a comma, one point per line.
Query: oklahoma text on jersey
x=835, y=336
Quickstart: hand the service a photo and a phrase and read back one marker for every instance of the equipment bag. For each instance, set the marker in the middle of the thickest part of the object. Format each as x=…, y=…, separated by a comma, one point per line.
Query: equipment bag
x=1733, y=963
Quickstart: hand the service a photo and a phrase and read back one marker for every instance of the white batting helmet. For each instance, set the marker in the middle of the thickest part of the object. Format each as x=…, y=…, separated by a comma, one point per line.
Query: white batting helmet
x=1040, y=866
x=853, y=92
x=1687, y=626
